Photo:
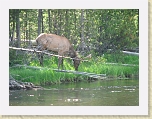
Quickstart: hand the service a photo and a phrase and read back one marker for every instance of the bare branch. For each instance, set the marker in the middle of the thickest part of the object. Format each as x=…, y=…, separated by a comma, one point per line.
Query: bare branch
x=44, y=52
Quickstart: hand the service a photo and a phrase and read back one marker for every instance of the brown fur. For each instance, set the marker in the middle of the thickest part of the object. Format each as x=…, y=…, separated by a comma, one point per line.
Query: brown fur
x=58, y=44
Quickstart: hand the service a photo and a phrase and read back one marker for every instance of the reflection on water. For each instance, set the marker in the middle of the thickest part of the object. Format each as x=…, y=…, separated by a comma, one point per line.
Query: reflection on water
x=98, y=93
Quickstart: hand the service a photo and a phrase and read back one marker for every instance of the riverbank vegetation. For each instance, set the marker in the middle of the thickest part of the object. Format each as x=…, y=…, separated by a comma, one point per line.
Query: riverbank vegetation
x=103, y=33
x=46, y=75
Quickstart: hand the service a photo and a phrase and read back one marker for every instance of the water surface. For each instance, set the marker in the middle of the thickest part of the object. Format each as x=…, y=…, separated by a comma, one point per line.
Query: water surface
x=98, y=93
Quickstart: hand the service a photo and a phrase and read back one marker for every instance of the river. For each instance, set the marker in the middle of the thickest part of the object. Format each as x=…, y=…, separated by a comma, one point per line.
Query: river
x=97, y=93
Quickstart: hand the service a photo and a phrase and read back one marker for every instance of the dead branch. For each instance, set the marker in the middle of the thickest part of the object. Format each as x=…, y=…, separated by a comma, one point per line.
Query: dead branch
x=121, y=64
x=130, y=53
x=44, y=52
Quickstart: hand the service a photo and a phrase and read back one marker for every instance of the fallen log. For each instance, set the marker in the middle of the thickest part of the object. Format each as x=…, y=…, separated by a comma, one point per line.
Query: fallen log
x=91, y=75
x=122, y=64
x=44, y=52
x=131, y=53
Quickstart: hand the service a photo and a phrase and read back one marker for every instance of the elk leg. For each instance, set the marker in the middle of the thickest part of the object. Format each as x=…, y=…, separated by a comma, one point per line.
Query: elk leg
x=60, y=62
x=40, y=56
x=41, y=59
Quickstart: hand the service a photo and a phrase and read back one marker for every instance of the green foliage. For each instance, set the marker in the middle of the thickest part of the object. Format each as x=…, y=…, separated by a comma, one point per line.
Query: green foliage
x=101, y=29
x=122, y=58
x=47, y=76
x=90, y=31
x=39, y=77
x=14, y=58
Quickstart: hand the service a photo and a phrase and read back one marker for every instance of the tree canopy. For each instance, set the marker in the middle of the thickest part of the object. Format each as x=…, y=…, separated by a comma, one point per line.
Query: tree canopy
x=89, y=30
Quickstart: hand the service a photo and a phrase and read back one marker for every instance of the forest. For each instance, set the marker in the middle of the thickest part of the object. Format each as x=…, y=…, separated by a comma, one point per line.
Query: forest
x=89, y=30
x=103, y=33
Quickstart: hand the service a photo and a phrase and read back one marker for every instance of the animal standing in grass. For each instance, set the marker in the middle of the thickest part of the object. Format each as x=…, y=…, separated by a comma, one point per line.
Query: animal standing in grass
x=58, y=44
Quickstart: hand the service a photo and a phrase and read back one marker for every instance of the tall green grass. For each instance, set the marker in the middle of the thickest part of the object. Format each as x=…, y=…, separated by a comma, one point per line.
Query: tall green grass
x=40, y=77
x=97, y=65
x=122, y=58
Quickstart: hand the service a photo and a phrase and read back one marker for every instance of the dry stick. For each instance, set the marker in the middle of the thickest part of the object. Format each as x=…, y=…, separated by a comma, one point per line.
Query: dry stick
x=121, y=64
x=37, y=51
x=131, y=53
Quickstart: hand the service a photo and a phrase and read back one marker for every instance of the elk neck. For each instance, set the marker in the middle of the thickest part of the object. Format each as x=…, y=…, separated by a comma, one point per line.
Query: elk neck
x=72, y=52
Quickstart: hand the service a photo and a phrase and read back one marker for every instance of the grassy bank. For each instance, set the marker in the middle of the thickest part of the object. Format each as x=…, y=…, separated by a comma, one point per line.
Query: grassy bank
x=96, y=65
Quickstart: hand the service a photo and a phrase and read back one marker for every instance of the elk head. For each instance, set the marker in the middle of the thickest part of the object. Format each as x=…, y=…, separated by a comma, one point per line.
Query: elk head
x=77, y=61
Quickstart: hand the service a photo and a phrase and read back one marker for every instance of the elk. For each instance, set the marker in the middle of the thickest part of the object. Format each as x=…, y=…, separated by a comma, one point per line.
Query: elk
x=59, y=44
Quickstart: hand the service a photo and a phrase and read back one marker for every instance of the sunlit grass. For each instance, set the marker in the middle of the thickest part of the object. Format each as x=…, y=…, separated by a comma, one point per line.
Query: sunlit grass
x=98, y=65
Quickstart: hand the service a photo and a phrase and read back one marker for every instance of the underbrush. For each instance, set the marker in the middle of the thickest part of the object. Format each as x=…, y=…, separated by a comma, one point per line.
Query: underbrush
x=46, y=75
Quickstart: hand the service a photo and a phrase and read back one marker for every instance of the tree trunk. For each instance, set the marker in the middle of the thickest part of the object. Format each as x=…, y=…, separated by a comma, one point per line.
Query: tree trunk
x=29, y=25
x=49, y=22
x=54, y=22
x=13, y=26
x=42, y=22
x=18, y=28
x=10, y=27
x=82, y=32
x=39, y=21
x=26, y=32
x=59, y=22
x=66, y=24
